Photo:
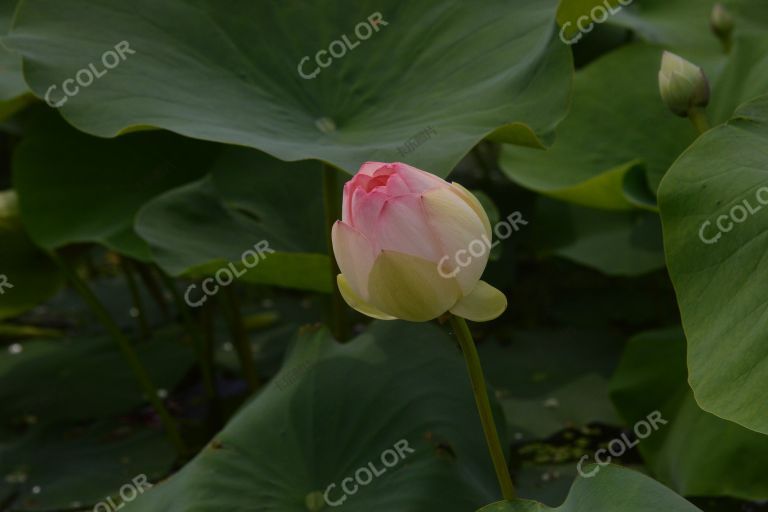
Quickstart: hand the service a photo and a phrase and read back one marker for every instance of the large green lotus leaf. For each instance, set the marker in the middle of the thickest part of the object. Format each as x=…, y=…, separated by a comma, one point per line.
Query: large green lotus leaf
x=11, y=80
x=84, y=377
x=617, y=243
x=743, y=78
x=613, y=489
x=333, y=409
x=232, y=75
x=617, y=123
x=695, y=453
x=248, y=199
x=70, y=466
x=75, y=188
x=27, y=276
x=719, y=275
x=683, y=25
x=14, y=93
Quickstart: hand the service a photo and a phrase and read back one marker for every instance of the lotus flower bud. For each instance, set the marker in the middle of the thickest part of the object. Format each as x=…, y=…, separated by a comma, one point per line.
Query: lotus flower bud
x=9, y=204
x=721, y=21
x=683, y=85
x=412, y=246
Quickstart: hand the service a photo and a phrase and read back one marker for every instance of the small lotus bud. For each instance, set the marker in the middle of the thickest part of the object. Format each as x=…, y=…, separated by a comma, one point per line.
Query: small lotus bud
x=412, y=246
x=9, y=204
x=683, y=85
x=721, y=21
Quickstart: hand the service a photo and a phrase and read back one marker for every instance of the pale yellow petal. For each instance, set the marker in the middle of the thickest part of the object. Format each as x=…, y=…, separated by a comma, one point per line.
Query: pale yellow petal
x=358, y=304
x=461, y=234
x=483, y=304
x=475, y=204
x=410, y=288
x=354, y=254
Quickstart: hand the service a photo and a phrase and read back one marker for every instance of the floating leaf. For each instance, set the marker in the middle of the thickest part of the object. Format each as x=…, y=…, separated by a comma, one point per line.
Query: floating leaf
x=84, y=377
x=346, y=406
x=55, y=467
x=613, y=488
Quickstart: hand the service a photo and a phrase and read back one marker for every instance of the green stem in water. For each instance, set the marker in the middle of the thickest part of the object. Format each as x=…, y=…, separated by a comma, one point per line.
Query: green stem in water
x=332, y=202
x=240, y=340
x=699, y=119
x=480, y=391
x=126, y=348
x=216, y=417
x=138, y=303
x=727, y=41
x=150, y=283
x=204, y=359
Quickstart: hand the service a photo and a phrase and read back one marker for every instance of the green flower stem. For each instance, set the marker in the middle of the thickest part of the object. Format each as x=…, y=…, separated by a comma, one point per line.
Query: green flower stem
x=480, y=391
x=143, y=378
x=699, y=119
x=147, y=275
x=216, y=417
x=138, y=303
x=204, y=359
x=332, y=203
x=240, y=340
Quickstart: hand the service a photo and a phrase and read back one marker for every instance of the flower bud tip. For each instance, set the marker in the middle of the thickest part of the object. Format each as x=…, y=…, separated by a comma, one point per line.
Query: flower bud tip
x=682, y=84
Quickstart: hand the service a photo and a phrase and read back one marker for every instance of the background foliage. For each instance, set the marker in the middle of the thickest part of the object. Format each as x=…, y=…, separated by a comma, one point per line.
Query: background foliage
x=206, y=141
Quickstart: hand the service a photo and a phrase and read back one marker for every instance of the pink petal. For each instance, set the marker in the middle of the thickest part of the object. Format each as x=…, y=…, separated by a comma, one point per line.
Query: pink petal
x=417, y=180
x=368, y=168
x=402, y=226
x=396, y=186
x=346, y=203
x=365, y=209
